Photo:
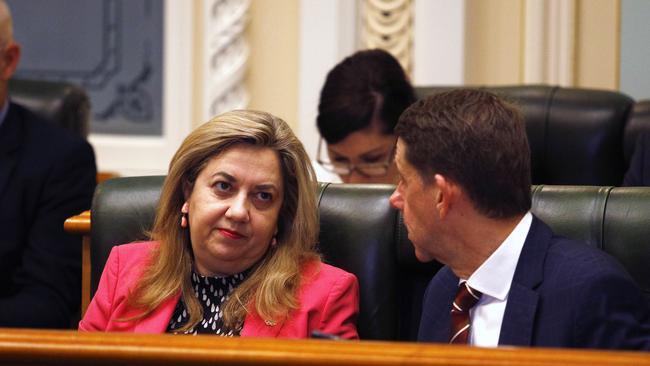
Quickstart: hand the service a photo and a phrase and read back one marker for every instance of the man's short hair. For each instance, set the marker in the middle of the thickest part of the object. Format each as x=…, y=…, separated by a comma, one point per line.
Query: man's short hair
x=475, y=139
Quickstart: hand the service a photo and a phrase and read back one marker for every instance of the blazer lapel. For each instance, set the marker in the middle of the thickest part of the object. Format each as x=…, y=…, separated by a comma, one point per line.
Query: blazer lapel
x=11, y=137
x=255, y=326
x=158, y=320
x=519, y=317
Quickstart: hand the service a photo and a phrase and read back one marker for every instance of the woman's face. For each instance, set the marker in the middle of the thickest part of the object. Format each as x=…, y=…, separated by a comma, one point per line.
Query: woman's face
x=367, y=146
x=233, y=209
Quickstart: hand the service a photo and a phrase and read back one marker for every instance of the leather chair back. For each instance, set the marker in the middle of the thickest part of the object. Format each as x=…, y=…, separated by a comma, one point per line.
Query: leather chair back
x=359, y=232
x=123, y=211
x=362, y=234
x=62, y=103
x=575, y=135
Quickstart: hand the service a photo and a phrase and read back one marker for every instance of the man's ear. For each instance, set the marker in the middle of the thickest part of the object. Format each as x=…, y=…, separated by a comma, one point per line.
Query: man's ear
x=11, y=57
x=446, y=194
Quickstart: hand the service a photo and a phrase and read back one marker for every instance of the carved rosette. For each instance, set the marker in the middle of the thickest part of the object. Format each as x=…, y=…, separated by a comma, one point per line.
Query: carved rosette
x=226, y=55
x=387, y=24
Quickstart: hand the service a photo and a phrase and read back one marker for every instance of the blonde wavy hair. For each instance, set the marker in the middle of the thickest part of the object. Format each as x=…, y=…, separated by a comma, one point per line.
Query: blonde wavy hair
x=271, y=287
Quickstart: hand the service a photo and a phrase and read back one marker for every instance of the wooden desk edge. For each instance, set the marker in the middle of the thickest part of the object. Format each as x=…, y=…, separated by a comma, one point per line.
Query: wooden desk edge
x=70, y=347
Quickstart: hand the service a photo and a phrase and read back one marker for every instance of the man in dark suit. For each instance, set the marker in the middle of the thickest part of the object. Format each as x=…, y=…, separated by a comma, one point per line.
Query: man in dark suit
x=465, y=194
x=46, y=175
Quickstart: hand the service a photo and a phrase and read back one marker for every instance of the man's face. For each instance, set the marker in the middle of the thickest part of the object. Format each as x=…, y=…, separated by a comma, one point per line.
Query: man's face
x=417, y=201
x=9, y=57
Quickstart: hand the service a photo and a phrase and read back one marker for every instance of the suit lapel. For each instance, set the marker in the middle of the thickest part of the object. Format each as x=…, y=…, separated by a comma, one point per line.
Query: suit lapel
x=11, y=137
x=435, y=323
x=519, y=317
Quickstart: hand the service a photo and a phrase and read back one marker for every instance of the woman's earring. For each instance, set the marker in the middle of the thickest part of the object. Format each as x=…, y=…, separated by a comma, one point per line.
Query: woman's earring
x=184, y=210
x=274, y=240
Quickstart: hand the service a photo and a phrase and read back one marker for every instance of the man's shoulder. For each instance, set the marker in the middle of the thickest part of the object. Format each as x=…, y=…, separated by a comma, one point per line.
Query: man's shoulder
x=582, y=258
x=579, y=276
x=563, y=265
x=41, y=133
x=44, y=144
x=577, y=263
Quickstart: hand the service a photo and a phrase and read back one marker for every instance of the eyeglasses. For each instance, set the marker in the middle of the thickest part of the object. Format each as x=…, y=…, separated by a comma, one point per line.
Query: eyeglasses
x=346, y=168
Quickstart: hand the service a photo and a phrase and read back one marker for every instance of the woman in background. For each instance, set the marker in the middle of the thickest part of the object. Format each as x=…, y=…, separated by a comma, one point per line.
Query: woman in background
x=233, y=244
x=360, y=103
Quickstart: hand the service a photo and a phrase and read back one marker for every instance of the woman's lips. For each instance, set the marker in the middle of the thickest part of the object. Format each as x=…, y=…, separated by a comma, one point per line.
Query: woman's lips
x=231, y=234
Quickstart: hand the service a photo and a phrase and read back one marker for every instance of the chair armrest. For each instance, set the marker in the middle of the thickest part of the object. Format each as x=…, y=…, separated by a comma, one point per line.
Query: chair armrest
x=80, y=225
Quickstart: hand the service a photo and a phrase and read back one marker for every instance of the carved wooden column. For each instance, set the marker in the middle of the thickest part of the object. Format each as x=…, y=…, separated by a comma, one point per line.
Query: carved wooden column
x=387, y=24
x=226, y=55
x=549, y=43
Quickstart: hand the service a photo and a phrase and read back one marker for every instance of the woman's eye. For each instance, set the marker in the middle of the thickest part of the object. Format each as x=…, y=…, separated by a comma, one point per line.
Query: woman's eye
x=264, y=196
x=222, y=186
x=373, y=159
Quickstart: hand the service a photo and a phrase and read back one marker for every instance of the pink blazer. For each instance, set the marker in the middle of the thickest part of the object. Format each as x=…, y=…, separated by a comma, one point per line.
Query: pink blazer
x=329, y=301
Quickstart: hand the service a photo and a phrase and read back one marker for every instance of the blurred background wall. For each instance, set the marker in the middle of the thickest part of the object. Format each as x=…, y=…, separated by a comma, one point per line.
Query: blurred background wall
x=273, y=55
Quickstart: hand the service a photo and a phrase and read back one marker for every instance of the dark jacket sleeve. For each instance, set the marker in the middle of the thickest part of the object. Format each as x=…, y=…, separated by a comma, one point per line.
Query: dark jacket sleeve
x=47, y=282
x=612, y=314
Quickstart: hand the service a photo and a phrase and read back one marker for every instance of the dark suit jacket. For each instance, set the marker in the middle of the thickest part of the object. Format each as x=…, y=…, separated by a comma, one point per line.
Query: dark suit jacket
x=638, y=174
x=46, y=175
x=563, y=294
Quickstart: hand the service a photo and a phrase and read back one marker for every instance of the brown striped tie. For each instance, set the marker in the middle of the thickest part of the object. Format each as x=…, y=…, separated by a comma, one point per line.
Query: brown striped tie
x=466, y=298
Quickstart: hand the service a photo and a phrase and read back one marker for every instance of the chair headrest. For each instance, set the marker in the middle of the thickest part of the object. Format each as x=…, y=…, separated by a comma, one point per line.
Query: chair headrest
x=62, y=103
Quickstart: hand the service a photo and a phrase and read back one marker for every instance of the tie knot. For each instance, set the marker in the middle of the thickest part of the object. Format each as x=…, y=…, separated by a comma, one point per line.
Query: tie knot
x=466, y=298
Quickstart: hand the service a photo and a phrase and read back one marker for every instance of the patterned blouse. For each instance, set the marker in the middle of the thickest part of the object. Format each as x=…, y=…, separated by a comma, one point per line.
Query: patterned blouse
x=212, y=293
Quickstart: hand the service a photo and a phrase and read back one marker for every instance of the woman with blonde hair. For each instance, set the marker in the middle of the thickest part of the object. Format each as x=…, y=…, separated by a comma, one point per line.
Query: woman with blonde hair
x=232, y=250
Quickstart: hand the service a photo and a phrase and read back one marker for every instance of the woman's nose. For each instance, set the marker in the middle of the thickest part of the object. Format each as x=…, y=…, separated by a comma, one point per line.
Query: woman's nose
x=355, y=177
x=238, y=209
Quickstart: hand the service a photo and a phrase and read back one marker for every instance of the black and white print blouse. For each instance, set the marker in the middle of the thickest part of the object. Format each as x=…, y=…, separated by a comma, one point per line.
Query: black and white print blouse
x=212, y=293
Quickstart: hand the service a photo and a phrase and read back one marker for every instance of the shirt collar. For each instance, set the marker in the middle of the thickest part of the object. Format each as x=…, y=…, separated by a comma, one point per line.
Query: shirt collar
x=494, y=276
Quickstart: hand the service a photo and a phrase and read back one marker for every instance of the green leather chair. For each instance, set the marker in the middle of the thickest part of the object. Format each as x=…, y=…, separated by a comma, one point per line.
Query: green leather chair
x=576, y=135
x=361, y=233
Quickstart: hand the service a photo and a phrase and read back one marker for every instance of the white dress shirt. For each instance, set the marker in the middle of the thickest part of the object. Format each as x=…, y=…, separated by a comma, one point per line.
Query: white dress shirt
x=493, y=278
